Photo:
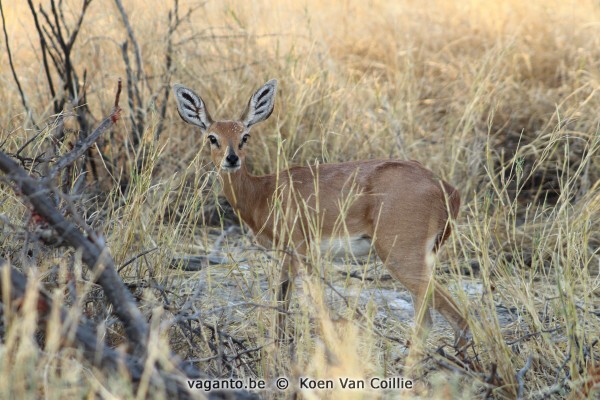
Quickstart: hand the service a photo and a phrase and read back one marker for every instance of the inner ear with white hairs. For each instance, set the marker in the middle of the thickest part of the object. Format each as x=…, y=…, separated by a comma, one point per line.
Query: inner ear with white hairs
x=191, y=108
x=260, y=105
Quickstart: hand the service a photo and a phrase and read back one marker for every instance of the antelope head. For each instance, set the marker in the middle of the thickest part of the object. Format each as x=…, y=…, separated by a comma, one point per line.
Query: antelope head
x=227, y=138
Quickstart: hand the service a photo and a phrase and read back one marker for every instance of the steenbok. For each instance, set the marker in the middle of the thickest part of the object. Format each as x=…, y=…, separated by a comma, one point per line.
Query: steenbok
x=398, y=208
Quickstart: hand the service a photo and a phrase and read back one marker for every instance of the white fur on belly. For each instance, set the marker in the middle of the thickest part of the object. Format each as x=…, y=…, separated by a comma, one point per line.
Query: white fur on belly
x=356, y=246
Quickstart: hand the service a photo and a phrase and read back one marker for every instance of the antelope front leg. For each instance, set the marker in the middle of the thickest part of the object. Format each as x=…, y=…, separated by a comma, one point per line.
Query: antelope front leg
x=289, y=270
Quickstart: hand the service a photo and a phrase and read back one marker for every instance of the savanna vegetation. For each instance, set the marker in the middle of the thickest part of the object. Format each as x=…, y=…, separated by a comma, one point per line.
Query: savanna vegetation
x=501, y=99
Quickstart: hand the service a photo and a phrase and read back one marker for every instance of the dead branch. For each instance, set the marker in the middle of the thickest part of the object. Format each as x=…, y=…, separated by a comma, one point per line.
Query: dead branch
x=173, y=23
x=58, y=47
x=118, y=95
x=85, y=335
x=44, y=48
x=132, y=93
x=98, y=259
x=94, y=351
x=95, y=256
x=521, y=375
x=57, y=42
x=533, y=334
x=132, y=39
x=140, y=105
x=84, y=144
x=132, y=259
x=133, y=79
x=12, y=68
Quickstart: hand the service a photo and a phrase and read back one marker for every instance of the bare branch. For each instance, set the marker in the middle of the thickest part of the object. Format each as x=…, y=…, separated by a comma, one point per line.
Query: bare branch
x=84, y=144
x=521, y=375
x=44, y=49
x=78, y=24
x=94, y=255
x=86, y=338
x=132, y=259
x=118, y=95
x=62, y=17
x=28, y=142
x=130, y=94
x=136, y=47
x=12, y=67
x=59, y=35
x=173, y=22
x=85, y=335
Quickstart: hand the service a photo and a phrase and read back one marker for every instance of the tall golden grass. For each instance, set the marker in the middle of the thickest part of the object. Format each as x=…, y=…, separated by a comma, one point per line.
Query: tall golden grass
x=498, y=98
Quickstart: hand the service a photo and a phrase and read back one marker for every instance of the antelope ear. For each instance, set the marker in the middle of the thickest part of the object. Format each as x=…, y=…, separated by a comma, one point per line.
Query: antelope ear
x=260, y=105
x=191, y=108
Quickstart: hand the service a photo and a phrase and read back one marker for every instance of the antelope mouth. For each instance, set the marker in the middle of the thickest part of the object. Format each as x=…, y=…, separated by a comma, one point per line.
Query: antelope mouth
x=230, y=168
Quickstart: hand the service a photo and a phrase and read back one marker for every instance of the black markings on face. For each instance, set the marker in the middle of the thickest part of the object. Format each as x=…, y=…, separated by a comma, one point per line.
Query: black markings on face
x=213, y=140
x=244, y=141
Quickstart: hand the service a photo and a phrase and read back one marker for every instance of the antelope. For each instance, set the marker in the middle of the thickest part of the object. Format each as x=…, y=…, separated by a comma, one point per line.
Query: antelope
x=398, y=208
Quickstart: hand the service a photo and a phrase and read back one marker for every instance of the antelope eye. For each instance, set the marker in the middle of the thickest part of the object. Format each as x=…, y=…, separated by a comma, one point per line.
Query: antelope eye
x=244, y=140
x=212, y=140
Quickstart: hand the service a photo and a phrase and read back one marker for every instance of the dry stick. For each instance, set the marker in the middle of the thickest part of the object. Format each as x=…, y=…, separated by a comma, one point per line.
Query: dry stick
x=95, y=256
x=130, y=94
x=85, y=336
x=532, y=334
x=83, y=145
x=78, y=24
x=98, y=259
x=138, y=114
x=58, y=33
x=136, y=47
x=59, y=47
x=173, y=19
x=12, y=68
x=521, y=375
x=62, y=17
x=44, y=48
x=27, y=143
x=66, y=45
x=132, y=259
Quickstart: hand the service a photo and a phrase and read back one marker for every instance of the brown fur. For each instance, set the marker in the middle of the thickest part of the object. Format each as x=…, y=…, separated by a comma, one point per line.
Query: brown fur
x=399, y=205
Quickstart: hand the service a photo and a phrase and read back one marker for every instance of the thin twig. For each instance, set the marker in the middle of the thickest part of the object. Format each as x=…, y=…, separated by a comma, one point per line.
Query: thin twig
x=132, y=259
x=521, y=375
x=94, y=255
x=136, y=47
x=83, y=145
x=130, y=94
x=173, y=23
x=532, y=334
x=44, y=50
x=28, y=142
x=12, y=68
x=85, y=336
x=78, y=24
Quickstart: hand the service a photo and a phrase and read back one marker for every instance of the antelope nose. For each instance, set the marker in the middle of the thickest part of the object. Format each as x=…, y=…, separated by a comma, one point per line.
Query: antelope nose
x=232, y=158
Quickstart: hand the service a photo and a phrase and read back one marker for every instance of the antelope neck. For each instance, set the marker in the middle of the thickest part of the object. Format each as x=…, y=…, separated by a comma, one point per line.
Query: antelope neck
x=244, y=192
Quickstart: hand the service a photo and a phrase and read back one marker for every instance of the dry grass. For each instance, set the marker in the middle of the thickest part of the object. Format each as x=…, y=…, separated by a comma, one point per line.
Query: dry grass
x=499, y=98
